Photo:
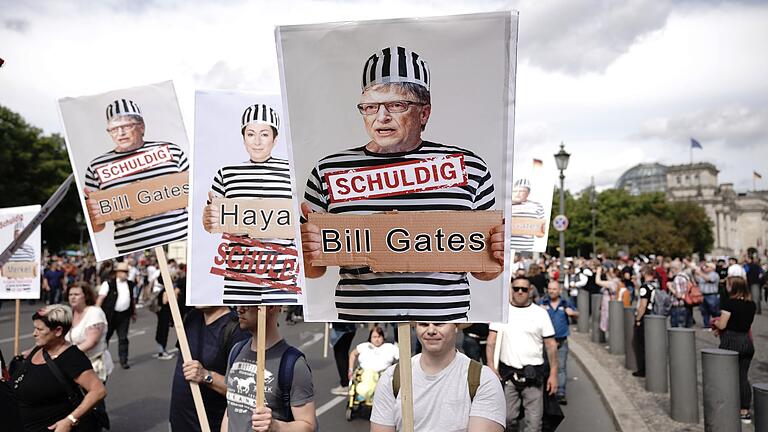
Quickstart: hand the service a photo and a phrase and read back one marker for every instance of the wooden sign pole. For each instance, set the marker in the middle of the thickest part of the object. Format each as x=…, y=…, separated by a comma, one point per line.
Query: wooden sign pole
x=261, y=356
x=181, y=335
x=325, y=339
x=497, y=350
x=406, y=378
x=17, y=329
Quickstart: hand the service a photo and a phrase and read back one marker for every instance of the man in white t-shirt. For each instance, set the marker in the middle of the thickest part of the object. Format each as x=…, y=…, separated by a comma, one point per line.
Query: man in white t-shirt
x=521, y=356
x=441, y=395
x=116, y=300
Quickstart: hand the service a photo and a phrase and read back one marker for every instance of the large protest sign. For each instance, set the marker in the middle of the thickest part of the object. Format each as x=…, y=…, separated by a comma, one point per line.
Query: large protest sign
x=244, y=215
x=128, y=150
x=532, y=187
x=432, y=131
x=20, y=275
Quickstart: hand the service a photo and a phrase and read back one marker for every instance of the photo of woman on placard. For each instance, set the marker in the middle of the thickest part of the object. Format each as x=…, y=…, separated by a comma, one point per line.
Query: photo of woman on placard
x=261, y=176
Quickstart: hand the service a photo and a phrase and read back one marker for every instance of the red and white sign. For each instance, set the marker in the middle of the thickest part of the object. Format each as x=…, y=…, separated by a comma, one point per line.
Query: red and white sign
x=560, y=222
x=133, y=164
x=397, y=179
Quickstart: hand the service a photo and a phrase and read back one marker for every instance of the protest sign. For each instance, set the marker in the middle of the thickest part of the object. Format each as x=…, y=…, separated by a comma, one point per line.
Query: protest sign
x=531, y=205
x=242, y=248
x=432, y=131
x=128, y=152
x=20, y=275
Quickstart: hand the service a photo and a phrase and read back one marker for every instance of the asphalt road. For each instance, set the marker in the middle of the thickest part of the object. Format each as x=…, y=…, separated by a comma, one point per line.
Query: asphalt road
x=139, y=397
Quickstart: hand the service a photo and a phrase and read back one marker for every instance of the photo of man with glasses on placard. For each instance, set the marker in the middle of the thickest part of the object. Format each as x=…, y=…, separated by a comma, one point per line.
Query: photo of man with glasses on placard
x=125, y=126
x=395, y=106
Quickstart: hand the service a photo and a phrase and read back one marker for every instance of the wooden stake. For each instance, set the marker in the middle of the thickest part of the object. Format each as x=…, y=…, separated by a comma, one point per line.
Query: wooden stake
x=181, y=335
x=18, y=329
x=261, y=356
x=325, y=339
x=406, y=378
x=497, y=350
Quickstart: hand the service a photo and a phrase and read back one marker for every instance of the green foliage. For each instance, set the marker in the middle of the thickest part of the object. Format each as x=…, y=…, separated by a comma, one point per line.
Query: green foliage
x=642, y=224
x=32, y=166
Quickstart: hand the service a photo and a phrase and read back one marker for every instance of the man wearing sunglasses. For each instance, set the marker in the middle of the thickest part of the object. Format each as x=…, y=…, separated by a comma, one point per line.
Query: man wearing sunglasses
x=395, y=106
x=521, y=360
x=117, y=167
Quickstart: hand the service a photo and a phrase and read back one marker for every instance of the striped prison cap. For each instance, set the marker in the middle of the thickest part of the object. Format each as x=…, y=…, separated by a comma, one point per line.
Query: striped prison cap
x=395, y=64
x=523, y=182
x=260, y=113
x=122, y=107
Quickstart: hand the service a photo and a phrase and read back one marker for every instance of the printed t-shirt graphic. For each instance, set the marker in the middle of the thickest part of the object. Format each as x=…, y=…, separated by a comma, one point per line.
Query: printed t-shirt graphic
x=362, y=295
x=132, y=235
x=268, y=179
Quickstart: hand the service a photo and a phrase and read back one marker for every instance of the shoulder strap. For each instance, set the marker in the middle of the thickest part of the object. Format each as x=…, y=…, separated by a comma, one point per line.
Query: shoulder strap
x=72, y=395
x=227, y=334
x=236, y=350
x=285, y=377
x=473, y=378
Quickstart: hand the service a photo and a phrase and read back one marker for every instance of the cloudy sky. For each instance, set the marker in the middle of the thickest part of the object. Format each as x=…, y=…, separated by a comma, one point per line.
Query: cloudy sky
x=618, y=82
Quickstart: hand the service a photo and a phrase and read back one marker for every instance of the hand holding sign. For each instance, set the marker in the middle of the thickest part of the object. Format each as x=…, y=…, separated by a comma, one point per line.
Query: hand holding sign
x=310, y=244
x=211, y=215
x=93, y=210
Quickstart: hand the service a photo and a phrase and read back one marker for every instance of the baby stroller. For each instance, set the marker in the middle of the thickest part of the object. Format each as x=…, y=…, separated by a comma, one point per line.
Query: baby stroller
x=361, y=388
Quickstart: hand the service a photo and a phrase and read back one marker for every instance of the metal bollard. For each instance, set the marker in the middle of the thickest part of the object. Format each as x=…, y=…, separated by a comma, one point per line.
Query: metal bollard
x=630, y=362
x=656, y=354
x=756, y=294
x=616, y=326
x=760, y=396
x=597, y=334
x=683, y=387
x=584, y=312
x=720, y=378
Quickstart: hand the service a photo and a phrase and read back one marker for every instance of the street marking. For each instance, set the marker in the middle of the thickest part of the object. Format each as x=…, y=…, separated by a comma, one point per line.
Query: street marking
x=26, y=336
x=330, y=404
x=315, y=339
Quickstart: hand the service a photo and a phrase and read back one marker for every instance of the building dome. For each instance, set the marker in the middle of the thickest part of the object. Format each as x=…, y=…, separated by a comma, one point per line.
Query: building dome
x=644, y=178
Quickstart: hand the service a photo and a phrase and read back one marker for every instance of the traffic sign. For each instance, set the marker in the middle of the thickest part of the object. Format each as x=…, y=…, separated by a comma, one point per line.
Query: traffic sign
x=560, y=223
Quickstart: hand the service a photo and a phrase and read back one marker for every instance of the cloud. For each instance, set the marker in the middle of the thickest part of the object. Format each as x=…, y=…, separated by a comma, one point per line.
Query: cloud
x=735, y=126
x=16, y=24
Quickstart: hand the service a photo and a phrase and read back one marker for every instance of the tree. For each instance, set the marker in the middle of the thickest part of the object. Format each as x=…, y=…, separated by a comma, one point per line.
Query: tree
x=33, y=166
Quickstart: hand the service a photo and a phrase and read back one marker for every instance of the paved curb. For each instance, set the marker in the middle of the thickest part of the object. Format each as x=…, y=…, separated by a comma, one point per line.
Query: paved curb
x=625, y=414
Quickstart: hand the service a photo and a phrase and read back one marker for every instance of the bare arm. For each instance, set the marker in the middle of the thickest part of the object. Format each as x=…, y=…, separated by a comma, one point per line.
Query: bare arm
x=642, y=305
x=375, y=427
x=95, y=392
x=722, y=322
x=194, y=371
x=92, y=337
x=303, y=420
x=224, y=422
x=352, y=359
x=551, y=345
x=480, y=424
x=490, y=350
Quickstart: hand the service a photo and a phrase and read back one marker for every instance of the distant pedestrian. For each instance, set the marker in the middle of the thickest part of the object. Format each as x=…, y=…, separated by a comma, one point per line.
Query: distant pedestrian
x=54, y=282
x=560, y=312
x=647, y=297
x=734, y=325
x=116, y=301
x=341, y=340
x=708, y=281
x=678, y=286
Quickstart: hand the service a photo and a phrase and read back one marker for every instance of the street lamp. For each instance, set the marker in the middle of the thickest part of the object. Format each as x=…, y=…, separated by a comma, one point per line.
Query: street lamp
x=561, y=159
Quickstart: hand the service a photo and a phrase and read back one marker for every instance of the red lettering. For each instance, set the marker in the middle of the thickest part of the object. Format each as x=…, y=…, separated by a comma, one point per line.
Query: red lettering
x=422, y=174
x=341, y=183
x=448, y=171
x=237, y=250
x=221, y=259
x=391, y=182
x=375, y=183
x=247, y=260
x=104, y=173
x=355, y=180
x=288, y=265
x=405, y=181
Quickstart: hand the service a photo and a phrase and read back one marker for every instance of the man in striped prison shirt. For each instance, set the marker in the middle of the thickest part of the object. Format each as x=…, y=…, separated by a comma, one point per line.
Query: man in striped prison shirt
x=125, y=125
x=261, y=176
x=396, y=105
x=523, y=208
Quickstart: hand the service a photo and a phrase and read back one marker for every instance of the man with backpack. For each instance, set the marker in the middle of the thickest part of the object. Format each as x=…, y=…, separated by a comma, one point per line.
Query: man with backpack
x=450, y=391
x=211, y=332
x=288, y=389
x=651, y=301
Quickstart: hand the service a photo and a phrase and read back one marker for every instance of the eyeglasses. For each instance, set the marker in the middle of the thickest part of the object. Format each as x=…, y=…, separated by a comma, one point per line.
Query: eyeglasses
x=126, y=127
x=519, y=289
x=393, y=107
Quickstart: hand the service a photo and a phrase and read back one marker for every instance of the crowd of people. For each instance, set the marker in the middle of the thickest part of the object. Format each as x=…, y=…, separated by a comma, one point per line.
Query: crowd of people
x=520, y=367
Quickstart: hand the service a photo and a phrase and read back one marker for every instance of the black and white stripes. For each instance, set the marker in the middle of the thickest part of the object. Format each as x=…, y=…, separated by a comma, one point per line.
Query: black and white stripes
x=395, y=64
x=260, y=113
x=122, y=107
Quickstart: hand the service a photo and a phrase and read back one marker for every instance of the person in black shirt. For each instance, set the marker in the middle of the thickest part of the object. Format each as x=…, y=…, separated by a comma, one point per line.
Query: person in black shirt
x=737, y=314
x=644, y=307
x=42, y=397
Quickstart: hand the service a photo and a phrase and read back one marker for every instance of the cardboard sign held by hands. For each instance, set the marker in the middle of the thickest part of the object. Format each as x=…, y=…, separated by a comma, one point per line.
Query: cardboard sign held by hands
x=451, y=241
x=528, y=226
x=257, y=217
x=142, y=198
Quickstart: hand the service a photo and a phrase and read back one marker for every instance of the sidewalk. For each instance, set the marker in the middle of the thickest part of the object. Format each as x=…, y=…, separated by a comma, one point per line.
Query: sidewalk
x=626, y=395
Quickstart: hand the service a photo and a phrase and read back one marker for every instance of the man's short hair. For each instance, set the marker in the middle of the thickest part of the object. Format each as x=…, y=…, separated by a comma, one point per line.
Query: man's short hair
x=129, y=117
x=524, y=278
x=419, y=93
